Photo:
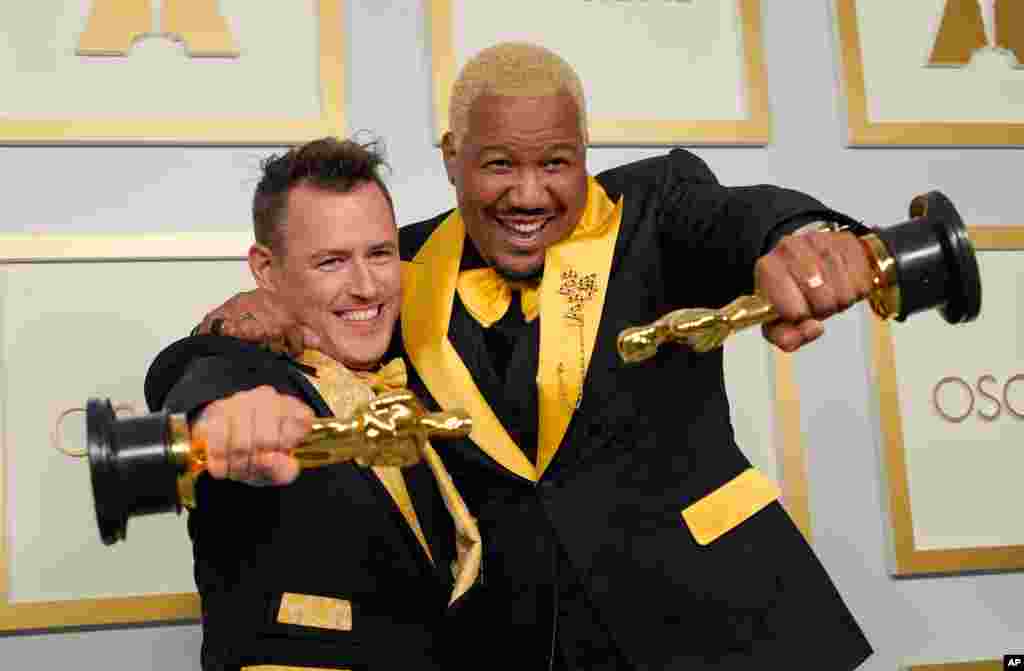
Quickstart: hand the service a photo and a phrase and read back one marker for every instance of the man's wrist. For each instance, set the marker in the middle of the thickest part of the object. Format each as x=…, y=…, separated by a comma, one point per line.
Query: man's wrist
x=820, y=226
x=800, y=227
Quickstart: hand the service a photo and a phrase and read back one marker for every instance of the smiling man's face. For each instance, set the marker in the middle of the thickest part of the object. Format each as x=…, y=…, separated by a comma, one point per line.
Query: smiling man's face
x=338, y=268
x=520, y=178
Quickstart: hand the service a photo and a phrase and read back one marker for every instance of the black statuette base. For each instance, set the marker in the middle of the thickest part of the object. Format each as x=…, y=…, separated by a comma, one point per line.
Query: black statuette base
x=131, y=467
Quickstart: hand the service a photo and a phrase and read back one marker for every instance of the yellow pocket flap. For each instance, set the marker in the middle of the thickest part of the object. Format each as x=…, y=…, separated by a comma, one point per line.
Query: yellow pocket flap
x=315, y=611
x=729, y=505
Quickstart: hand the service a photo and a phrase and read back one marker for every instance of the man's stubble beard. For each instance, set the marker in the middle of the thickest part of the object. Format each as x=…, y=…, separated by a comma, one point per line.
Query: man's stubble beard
x=517, y=276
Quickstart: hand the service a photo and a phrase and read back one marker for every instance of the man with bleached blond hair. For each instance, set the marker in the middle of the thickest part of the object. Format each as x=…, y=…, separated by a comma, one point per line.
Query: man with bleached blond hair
x=623, y=527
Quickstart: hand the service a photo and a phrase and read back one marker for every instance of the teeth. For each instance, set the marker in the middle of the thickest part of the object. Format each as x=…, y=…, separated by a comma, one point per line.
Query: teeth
x=360, y=315
x=524, y=228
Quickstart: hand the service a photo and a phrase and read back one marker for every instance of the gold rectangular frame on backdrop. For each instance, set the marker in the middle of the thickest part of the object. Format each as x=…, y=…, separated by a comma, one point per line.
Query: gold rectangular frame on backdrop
x=91, y=254
x=779, y=395
x=753, y=130
x=213, y=129
x=789, y=439
x=909, y=559
x=863, y=131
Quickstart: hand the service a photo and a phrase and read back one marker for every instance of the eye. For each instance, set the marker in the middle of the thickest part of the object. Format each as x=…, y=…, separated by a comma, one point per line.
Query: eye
x=382, y=254
x=555, y=163
x=499, y=165
x=330, y=263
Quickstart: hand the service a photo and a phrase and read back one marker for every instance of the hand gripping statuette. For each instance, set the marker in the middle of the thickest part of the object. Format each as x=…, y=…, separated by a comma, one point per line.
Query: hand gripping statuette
x=148, y=464
x=924, y=263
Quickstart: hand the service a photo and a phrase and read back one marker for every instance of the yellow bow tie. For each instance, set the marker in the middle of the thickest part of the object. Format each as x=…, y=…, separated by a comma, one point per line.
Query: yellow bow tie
x=487, y=295
x=391, y=375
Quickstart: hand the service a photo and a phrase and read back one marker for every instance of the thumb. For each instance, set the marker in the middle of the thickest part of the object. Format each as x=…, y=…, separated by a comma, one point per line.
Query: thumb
x=280, y=468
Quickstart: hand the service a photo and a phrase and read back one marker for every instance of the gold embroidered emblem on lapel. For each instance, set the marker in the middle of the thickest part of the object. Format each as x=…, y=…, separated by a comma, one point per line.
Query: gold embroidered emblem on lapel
x=576, y=272
x=578, y=290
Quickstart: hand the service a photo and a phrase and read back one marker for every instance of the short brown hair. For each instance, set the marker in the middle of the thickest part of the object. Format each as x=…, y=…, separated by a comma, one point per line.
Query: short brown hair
x=328, y=163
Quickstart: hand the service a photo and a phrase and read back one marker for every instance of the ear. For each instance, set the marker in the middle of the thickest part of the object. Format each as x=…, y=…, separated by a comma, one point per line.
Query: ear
x=261, y=264
x=448, y=153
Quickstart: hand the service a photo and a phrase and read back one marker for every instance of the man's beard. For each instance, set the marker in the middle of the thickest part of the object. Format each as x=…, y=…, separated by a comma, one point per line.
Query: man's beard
x=520, y=276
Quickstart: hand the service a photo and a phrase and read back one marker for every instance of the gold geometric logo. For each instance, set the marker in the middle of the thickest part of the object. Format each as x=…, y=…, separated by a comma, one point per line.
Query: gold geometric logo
x=114, y=25
x=967, y=26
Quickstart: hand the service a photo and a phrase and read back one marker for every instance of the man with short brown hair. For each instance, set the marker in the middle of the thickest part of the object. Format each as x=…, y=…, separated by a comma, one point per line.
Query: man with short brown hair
x=346, y=567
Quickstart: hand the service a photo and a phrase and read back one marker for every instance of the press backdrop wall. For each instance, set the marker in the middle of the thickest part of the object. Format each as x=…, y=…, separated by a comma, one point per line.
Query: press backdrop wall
x=129, y=190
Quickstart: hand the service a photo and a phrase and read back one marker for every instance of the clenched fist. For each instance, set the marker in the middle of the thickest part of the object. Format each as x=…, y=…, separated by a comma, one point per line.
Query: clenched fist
x=249, y=436
x=808, y=278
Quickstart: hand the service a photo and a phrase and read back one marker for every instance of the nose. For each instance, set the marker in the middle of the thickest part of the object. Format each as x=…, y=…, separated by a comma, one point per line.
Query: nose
x=529, y=192
x=362, y=282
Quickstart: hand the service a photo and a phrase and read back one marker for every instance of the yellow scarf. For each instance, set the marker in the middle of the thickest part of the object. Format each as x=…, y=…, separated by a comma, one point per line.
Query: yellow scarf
x=344, y=390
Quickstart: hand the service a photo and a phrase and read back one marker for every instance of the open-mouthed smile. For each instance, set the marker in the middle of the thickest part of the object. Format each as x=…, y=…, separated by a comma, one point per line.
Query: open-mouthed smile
x=360, y=315
x=523, y=230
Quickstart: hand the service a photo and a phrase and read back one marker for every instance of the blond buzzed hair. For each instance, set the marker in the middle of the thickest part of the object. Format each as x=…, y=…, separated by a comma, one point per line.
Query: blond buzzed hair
x=512, y=69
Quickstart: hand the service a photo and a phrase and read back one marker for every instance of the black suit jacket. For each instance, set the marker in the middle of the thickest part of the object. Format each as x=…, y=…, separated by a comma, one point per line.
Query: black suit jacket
x=334, y=533
x=646, y=442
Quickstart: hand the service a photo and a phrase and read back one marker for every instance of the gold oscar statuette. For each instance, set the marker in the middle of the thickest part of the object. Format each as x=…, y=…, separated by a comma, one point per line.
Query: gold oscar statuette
x=387, y=431
x=924, y=263
x=148, y=464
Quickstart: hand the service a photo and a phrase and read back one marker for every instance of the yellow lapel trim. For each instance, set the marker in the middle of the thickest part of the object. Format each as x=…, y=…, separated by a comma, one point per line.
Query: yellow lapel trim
x=428, y=289
x=571, y=301
x=394, y=482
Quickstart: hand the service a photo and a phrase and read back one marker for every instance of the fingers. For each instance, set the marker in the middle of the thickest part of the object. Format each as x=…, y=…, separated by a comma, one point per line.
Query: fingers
x=212, y=426
x=278, y=433
x=846, y=267
x=799, y=280
x=775, y=280
x=240, y=447
x=814, y=276
x=217, y=320
x=296, y=423
x=808, y=278
x=259, y=316
x=246, y=327
x=836, y=275
x=249, y=436
x=211, y=323
x=791, y=337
